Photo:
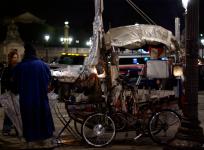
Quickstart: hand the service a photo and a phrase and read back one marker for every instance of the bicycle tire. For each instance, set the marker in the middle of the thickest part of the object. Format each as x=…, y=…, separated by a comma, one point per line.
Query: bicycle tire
x=163, y=126
x=98, y=130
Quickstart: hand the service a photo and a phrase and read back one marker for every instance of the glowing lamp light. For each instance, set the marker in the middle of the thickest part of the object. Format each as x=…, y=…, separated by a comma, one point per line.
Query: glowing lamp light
x=177, y=71
x=46, y=37
x=66, y=22
x=202, y=41
x=185, y=3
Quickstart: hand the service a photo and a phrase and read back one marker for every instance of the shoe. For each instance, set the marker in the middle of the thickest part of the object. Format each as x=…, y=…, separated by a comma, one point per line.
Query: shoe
x=44, y=144
x=6, y=133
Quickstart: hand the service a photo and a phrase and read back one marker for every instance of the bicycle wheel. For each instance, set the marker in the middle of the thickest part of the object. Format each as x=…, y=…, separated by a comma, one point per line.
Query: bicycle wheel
x=163, y=126
x=98, y=130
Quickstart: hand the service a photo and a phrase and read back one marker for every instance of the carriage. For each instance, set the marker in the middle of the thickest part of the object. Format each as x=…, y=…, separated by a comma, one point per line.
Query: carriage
x=101, y=101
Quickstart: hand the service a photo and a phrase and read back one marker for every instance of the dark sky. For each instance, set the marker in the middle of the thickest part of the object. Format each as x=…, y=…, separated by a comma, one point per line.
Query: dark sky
x=80, y=13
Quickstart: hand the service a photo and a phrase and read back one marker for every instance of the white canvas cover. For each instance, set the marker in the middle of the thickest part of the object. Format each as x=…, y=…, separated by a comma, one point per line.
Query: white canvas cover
x=136, y=36
x=157, y=69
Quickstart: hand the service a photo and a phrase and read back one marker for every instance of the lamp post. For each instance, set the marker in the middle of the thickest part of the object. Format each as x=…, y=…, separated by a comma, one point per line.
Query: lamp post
x=202, y=47
x=190, y=134
x=66, y=35
x=46, y=37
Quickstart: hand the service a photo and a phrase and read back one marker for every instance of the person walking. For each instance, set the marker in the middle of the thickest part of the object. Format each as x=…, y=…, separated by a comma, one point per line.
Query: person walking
x=31, y=79
x=6, y=85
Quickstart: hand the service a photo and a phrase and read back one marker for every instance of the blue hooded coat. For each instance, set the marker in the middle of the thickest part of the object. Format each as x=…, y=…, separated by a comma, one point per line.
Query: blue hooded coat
x=31, y=78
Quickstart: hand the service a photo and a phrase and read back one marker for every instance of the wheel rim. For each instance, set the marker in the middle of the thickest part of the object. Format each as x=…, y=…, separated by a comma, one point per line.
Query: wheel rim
x=163, y=126
x=98, y=130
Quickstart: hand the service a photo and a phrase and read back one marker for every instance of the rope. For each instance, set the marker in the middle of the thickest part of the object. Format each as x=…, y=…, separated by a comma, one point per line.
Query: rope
x=140, y=12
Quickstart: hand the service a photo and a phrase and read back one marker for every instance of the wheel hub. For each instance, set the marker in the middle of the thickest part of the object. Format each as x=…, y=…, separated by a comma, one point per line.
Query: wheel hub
x=98, y=129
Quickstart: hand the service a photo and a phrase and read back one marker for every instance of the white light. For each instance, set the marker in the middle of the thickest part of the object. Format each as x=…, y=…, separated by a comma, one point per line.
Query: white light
x=185, y=3
x=177, y=71
x=89, y=43
x=70, y=39
x=66, y=22
x=63, y=40
x=201, y=34
x=202, y=41
x=77, y=41
x=46, y=37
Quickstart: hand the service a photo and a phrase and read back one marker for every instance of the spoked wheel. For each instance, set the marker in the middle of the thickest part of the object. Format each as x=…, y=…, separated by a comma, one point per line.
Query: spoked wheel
x=98, y=130
x=163, y=126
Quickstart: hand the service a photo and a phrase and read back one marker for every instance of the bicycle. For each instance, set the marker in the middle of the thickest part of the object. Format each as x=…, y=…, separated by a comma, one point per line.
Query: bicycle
x=99, y=129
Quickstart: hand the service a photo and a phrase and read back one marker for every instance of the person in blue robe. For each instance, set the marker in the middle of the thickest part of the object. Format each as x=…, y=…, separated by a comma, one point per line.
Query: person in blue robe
x=31, y=79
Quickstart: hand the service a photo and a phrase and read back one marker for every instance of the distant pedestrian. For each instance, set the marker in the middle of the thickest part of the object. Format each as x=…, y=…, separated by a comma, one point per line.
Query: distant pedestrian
x=6, y=85
x=31, y=79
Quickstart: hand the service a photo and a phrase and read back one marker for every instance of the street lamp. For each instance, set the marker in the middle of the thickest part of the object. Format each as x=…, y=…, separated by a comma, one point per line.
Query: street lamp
x=190, y=134
x=46, y=38
x=202, y=41
x=89, y=43
x=63, y=40
x=202, y=47
x=185, y=4
x=66, y=35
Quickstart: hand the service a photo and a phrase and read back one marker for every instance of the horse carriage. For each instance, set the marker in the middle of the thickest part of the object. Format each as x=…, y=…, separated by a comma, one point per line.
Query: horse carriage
x=102, y=102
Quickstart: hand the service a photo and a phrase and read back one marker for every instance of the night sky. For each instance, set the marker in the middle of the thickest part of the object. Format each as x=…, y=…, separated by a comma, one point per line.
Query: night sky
x=80, y=14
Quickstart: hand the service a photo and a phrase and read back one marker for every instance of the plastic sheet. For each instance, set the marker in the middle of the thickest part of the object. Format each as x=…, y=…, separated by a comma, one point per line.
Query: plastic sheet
x=10, y=103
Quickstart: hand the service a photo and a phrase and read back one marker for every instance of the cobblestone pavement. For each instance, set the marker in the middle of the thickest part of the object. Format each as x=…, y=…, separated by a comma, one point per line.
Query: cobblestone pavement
x=123, y=140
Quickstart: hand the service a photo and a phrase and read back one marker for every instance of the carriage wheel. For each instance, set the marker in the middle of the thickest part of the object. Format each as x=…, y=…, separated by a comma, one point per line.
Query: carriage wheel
x=163, y=126
x=98, y=130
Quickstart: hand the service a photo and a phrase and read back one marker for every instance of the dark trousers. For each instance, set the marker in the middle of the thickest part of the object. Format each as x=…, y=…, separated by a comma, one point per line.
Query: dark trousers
x=7, y=125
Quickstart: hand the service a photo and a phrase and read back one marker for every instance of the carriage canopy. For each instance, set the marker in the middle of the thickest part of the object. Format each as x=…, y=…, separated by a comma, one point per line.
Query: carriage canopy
x=136, y=36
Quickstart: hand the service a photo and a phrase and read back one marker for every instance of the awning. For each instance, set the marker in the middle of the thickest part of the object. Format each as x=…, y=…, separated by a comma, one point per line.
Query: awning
x=136, y=36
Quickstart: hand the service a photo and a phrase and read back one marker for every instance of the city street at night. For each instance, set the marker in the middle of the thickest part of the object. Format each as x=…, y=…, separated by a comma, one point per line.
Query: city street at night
x=102, y=74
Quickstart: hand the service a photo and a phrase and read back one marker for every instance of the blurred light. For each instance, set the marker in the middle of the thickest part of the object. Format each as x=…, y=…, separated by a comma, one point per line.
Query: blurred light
x=146, y=59
x=135, y=61
x=89, y=43
x=77, y=41
x=185, y=4
x=201, y=35
x=46, y=37
x=63, y=40
x=164, y=58
x=143, y=51
x=202, y=41
x=177, y=71
x=199, y=62
x=66, y=22
x=70, y=39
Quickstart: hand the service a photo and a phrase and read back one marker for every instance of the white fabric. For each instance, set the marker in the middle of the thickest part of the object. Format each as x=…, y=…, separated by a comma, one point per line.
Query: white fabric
x=136, y=36
x=68, y=74
x=157, y=69
x=10, y=103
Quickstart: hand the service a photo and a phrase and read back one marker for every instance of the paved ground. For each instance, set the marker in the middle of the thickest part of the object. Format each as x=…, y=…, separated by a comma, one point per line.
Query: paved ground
x=124, y=140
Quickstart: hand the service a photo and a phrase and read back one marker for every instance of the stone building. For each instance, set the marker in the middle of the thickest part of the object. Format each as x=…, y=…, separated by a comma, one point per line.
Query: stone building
x=12, y=41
